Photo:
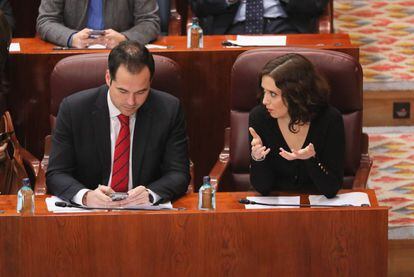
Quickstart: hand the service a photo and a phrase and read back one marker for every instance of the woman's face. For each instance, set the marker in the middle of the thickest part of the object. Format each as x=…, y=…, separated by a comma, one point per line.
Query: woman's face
x=272, y=99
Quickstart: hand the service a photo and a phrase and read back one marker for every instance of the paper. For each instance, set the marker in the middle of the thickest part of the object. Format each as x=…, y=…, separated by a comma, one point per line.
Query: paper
x=156, y=46
x=350, y=198
x=259, y=41
x=14, y=47
x=292, y=200
x=96, y=46
x=50, y=202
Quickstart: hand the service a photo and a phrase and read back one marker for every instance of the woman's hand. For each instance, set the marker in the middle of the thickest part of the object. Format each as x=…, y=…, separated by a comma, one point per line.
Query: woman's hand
x=259, y=151
x=302, y=154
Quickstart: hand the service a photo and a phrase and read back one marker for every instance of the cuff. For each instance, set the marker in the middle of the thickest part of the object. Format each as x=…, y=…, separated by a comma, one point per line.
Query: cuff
x=79, y=196
x=153, y=197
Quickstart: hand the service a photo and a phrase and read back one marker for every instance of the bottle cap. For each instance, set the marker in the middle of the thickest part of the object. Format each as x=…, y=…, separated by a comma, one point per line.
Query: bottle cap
x=26, y=182
x=206, y=179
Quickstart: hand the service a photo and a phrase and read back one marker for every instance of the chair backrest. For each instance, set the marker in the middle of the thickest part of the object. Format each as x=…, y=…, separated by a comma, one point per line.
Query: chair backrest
x=80, y=72
x=344, y=75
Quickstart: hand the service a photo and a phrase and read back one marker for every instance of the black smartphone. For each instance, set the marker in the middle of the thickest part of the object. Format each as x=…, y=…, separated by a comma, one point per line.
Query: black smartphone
x=5, y=136
x=118, y=196
x=96, y=33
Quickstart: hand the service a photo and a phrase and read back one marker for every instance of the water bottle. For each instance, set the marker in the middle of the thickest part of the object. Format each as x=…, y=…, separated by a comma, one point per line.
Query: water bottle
x=25, y=198
x=194, y=35
x=206, y=195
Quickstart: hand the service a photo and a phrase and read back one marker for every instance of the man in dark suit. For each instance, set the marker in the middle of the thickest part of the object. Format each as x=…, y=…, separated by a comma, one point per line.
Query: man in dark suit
x=122, y=136
x=277, y=16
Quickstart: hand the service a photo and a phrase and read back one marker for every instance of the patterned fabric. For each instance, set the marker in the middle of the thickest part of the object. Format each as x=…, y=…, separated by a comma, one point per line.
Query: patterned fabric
x=384, y=31
x=392, y=178
x=254, y=17
x=120, y=170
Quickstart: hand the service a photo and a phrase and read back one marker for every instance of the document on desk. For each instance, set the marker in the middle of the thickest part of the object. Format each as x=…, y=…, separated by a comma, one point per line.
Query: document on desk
x=259, y=40
x=351, y=198
x=50, y=202
x=14, y=47
x=274, y=200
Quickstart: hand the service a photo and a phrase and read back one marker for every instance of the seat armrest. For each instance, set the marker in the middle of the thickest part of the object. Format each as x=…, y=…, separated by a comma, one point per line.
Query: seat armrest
x=221, y=165
x=362, y=174
x=31, y=163
x=40, y=186
x=325, y=20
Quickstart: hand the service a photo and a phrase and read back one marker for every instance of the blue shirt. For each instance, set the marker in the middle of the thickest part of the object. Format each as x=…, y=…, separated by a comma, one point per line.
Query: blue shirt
x=95, y=15
x=271, y=9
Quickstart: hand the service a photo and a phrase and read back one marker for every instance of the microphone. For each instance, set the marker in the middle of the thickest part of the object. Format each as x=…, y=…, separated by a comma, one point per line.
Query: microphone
x=251, y=202
x=135, y=208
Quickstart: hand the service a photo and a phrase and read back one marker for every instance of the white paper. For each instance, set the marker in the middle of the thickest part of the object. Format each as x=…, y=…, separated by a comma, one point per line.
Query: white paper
x=259, y=40
x=350, y=198
x=50, y=202
x=14, y=47
x=292, y=200
x=96, y=46
x=156, y=46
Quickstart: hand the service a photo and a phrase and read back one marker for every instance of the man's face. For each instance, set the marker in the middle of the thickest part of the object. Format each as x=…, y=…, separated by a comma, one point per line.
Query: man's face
x=128, y=91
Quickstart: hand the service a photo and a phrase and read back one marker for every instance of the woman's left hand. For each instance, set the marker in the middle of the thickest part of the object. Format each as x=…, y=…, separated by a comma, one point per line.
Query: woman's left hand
x=302, y=154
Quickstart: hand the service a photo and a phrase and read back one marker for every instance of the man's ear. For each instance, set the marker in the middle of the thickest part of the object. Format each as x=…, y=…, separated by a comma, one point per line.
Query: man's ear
x=108, y=78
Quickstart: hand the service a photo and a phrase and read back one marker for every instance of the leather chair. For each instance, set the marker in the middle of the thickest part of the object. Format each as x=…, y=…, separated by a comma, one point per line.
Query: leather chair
x=16, y=162
x=80, y=72
x=344, y=76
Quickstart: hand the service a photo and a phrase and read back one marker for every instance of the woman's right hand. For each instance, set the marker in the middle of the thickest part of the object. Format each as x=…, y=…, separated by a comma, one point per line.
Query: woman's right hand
x=259, y=151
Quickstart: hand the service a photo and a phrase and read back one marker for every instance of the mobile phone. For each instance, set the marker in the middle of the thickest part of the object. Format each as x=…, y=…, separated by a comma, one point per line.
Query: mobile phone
x=118, y=196
x=96, y=33
x=5, y=136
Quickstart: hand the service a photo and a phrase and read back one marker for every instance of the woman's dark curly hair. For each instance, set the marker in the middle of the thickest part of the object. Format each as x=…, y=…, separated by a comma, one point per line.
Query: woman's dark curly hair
x=304, y=91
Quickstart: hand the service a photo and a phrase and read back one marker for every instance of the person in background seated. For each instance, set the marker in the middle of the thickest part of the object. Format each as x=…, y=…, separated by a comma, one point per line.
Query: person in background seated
x=297, y=139
x=82, y=23
x=258, y=16
x=120, y=137
x=8, y=13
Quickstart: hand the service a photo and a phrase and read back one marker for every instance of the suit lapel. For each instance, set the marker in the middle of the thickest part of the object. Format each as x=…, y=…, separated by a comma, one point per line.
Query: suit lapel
x=102, y=132
x=142, y=132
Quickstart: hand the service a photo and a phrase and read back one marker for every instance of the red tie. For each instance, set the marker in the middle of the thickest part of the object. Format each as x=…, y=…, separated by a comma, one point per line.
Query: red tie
x=120, y=170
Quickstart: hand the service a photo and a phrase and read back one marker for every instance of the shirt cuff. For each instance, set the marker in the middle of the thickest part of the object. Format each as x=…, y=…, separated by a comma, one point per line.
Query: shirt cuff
x=155, y=197
x=79, y=196
x=69, y=43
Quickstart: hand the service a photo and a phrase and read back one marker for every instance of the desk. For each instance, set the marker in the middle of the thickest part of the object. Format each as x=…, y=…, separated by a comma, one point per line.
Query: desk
x=230, y=241
x=206, y=99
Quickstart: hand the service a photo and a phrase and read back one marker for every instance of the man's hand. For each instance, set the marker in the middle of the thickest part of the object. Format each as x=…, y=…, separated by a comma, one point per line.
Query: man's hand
x=259, y=151
x=136, y=196
x=302, y=154
x=81, y=39
x=113, y=38
x=99, y=197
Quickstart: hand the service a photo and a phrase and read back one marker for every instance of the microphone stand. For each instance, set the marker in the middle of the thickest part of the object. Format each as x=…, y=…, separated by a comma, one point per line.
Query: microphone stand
x=251, y=202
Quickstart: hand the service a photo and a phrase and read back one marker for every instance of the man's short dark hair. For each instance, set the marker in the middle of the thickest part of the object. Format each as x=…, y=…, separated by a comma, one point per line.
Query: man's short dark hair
x=133, y=55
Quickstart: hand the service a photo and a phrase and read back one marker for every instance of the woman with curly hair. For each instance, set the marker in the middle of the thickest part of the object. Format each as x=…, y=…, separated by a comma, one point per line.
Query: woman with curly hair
x=297, y=139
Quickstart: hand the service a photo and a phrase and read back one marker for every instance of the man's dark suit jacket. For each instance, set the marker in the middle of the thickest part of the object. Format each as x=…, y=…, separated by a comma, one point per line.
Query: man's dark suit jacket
x=216, y=16
x=81, y=145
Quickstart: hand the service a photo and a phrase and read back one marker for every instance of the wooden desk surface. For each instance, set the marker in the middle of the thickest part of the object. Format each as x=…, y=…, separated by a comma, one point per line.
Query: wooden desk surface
x=230, y=241
x=226, y=202
x=206, y=94
x=211, y=43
